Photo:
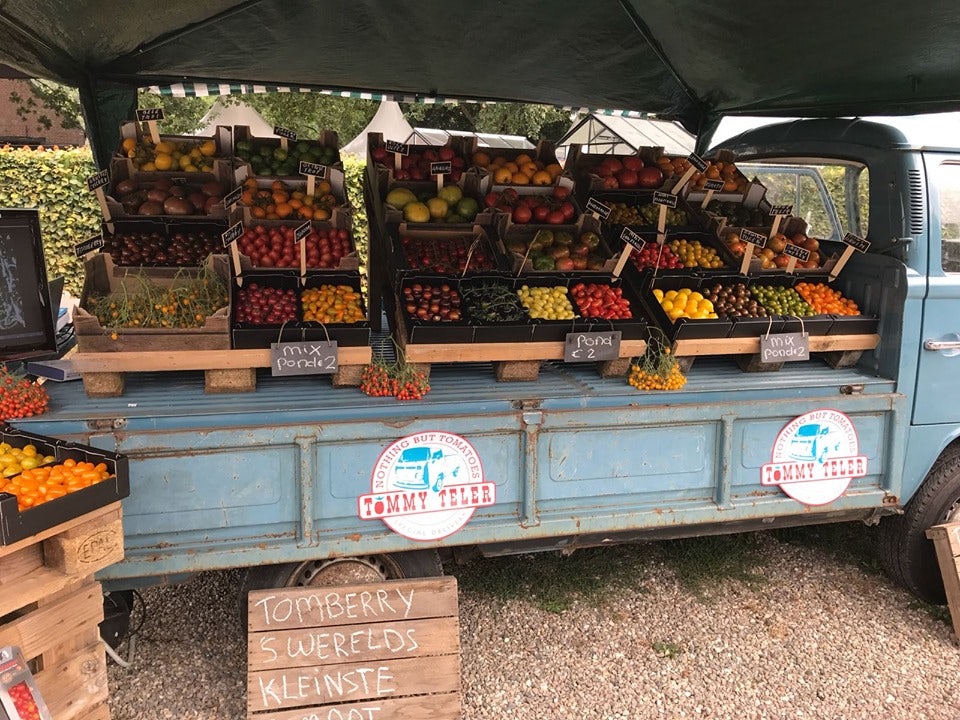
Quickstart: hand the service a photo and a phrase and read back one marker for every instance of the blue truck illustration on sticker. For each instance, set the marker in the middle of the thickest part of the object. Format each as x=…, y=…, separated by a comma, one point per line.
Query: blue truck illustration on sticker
x=424, y=468
x=812, y=442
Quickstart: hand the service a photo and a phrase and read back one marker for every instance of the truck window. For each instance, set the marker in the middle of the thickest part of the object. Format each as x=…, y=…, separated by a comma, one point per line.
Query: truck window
x=948, y=182
x=819, y=194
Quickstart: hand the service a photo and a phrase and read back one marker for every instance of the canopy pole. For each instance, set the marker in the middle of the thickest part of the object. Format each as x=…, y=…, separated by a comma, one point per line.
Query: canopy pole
x=104, y=108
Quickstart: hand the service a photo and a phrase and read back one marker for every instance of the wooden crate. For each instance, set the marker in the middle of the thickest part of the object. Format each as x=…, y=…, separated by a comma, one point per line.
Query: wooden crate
x=946, y=540
x=51, y=607
x=225, y=371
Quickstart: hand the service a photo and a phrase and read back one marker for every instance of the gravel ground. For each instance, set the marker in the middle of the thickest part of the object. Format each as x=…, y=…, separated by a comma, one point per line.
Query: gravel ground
x=810, y=637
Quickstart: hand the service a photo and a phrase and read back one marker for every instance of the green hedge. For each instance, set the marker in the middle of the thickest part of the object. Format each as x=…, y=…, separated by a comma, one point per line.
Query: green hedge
x=55, y=182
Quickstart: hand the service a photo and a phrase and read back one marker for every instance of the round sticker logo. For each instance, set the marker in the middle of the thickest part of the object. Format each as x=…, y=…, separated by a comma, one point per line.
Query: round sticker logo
x=815, y=457
x=427, y=486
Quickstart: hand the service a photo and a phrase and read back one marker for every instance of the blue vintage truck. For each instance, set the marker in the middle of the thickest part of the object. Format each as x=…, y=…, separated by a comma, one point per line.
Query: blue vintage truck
x=292, y=481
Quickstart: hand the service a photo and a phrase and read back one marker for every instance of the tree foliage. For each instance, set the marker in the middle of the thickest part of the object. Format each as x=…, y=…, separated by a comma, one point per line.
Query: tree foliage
x=181, y=116
x=308, y=114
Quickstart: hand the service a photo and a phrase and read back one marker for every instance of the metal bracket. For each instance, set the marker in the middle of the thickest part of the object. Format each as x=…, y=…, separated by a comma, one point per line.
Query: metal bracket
x=103, y=424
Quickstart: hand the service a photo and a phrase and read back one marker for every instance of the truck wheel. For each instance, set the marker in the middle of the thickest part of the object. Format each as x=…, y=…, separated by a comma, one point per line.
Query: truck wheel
x=905, y=552
x=344, y=571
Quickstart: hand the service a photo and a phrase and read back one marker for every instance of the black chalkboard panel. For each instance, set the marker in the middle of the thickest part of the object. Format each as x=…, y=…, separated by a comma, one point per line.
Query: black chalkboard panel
x=26, y=321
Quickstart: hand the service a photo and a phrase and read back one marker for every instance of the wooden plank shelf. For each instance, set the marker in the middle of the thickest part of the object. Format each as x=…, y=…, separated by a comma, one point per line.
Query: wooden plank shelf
x=225, y=371
x=751, y=345
x=514, y=362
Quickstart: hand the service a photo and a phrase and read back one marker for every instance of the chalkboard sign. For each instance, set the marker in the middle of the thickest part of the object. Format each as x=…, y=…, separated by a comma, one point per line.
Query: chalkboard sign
x=754, y=238
x=232, y=234
x=26, y=319
x=713, y=185
x=856, y=242
x=598, y=208
x=309, y=168
x=801, y=254
x=98, y=180
x=374, y=651
x=629, y=236
x=398, y=147
x=698, y=162
x=145, y=114
x=284, y=133
x=784, y=347
x=781, y=209
x=591, y=346
x=441, y=168
x=662, y=198
x=304, y=358
x=232, y=197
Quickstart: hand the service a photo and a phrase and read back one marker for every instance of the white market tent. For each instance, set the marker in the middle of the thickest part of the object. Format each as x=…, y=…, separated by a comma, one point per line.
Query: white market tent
x=432, y=136
x=238, y=113
x=612, y=134
x=388, y=120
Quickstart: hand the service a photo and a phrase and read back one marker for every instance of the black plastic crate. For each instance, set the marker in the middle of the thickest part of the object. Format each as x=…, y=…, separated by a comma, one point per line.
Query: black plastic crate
x=247, y=335
x=553, y=330
x=162, y=234
x=854, y=325
x=16, y=525
x=682, y=328
x=696, y=221
x=437, y=236
x=486, y=331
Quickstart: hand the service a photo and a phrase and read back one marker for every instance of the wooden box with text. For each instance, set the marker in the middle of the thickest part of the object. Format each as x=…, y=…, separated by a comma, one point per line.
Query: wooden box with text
x=385, y=650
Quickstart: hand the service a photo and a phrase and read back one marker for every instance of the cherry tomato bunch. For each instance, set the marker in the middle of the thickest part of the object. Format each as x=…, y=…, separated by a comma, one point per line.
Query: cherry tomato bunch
x=653, y=256
x=401, y=380
x=596, y=300
x=20, y=398
x=23, y=702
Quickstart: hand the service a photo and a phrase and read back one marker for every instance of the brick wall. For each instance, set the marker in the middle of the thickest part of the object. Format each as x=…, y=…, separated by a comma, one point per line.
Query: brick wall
x=13, y=127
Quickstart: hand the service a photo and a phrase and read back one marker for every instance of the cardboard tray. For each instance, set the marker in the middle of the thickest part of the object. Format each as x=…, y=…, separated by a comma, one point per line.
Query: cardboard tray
x=611, y=236
x=391, y=215
x=222, y=136
x=341, y=215
x=166, y=228
x=696, y=221
x=521, y=264
x=382, y=176
x=16, y=525
x=122, y=170
x=440, y=233
x=246, y=336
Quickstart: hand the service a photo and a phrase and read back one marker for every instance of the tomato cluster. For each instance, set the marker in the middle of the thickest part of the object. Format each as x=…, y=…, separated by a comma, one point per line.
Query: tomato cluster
x=596, y=300
x=447, y=255
x=49, y=482
x=401, y=381
x=24, y=703
x=656, y=256
x=275, y=247
x=265, y=305
x=19, y=397
x=331, y=304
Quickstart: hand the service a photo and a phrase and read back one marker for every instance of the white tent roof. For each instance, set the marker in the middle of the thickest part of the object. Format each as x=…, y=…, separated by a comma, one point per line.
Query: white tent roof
x=613, y=134
x=431, y=136
x=234, y=114
x=389, y=120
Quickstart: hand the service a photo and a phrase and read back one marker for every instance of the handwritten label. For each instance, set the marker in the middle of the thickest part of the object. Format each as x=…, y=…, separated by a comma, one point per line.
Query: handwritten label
x=314, y=169
x=590, y=346
x=284, y=133
x=232, y=197
x=301, y=232
x=630, y=237
x=713, y=185
x=441, y=168
x=662, y=198
x=598, y=208
x=698, y=162
x=98, y=180
x=367, y=652
x=178, y=181
x=781, y=209
x=784, y=347
x=304, y=358
x=147, y=114
x=754, y=238
x=232, y=234
x=94, y=243
x=856, y=242
x=398, y=148
x=801, y=254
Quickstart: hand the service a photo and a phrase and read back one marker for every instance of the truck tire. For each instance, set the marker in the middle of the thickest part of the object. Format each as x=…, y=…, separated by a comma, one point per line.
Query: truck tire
x=343, y=571
x=905, y=552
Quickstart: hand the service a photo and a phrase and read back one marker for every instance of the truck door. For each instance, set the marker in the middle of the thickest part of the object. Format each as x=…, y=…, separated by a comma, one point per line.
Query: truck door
x=937, y=397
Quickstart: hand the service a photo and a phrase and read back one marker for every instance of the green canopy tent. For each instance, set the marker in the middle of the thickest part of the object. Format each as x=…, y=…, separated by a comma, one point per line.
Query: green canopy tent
x=687, y=60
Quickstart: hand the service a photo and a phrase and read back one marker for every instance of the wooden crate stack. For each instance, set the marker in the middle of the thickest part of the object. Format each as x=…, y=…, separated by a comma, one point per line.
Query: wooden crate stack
x=946, y=540
x=51, y=607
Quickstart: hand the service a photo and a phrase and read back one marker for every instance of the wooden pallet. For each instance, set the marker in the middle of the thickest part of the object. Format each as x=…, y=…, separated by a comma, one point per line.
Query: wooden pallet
x=836, y=350
x=51, y=608
x=946, y=540
x=514, y=362
x=225, y=371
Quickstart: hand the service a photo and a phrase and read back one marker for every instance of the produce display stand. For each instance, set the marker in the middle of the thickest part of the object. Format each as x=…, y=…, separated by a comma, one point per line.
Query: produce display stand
x=838, y=350
x=51, y=607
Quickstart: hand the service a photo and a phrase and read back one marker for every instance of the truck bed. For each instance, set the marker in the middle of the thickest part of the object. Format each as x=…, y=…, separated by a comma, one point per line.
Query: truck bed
x=273, y=476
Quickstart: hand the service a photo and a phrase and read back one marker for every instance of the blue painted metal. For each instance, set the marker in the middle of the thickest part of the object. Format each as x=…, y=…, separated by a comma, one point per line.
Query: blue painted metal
x=273, y=476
